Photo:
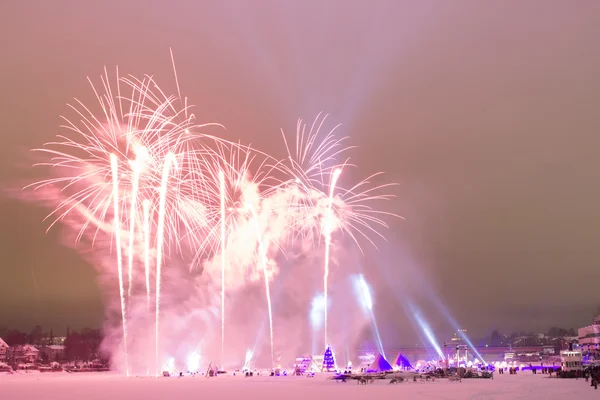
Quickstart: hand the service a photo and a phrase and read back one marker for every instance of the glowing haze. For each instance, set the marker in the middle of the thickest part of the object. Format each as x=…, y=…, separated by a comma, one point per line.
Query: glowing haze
x=206, y=246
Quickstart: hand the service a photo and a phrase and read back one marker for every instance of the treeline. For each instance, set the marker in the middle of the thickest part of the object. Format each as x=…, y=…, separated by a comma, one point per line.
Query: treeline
x=553, y=337
x=83, y=345
x=37, y=337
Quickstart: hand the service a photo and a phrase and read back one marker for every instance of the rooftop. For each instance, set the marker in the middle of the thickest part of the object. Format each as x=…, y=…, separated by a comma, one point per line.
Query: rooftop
x=55, y=347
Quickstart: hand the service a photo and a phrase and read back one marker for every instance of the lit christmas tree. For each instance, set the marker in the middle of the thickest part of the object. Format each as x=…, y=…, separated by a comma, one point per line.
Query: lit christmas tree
x=328, y=360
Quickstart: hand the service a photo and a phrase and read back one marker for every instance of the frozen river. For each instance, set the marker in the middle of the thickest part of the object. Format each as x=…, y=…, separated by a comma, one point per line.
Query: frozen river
x=108, y=386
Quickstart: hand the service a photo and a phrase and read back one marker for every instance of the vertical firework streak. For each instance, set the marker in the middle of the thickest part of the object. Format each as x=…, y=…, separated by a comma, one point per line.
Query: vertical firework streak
x=222, y=190
x=117, y=230
x=134, y=191
x=146, y=205
x=263, y=259
x=146, y=210
x=327, y=232
x=168, y=164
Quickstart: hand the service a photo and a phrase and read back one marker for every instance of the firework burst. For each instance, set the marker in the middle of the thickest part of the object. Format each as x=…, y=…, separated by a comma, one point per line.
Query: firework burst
x=119, y=165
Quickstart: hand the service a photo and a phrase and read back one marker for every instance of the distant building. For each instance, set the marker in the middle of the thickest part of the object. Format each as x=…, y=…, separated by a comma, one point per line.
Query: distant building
x=53, y=352
x=589, y=338
x=3, y=350
x=458, y=338
x=59, y=340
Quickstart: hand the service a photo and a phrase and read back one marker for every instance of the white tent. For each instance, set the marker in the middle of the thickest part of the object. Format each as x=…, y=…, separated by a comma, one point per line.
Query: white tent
x=380, y=365
x=307, y=364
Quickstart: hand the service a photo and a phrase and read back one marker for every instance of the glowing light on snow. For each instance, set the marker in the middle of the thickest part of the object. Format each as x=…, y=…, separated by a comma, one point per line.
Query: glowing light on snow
x=193, y=362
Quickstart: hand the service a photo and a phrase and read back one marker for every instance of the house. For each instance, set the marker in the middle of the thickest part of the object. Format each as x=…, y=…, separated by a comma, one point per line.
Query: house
x=3, y=350
x=52, y=352
x=24, y=354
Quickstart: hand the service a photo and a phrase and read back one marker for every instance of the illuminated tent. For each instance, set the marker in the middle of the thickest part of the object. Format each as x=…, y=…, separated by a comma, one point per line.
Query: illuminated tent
x=402, y=362
x=380, y=365
x=306, y=364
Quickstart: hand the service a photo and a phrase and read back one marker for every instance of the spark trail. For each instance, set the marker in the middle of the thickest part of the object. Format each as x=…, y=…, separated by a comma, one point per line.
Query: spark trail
x=146, y=211
x=168, y=164
x=263, y=259
x=223, y=249
x=327, y=232
x=114, y=163
x=146, y=206
x=136, y=167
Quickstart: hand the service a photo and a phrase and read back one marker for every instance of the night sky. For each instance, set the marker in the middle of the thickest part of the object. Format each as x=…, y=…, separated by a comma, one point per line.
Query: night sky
x=485, y=113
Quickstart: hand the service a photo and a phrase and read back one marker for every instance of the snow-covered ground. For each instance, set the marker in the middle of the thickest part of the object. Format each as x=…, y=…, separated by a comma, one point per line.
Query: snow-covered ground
x=107, y=386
